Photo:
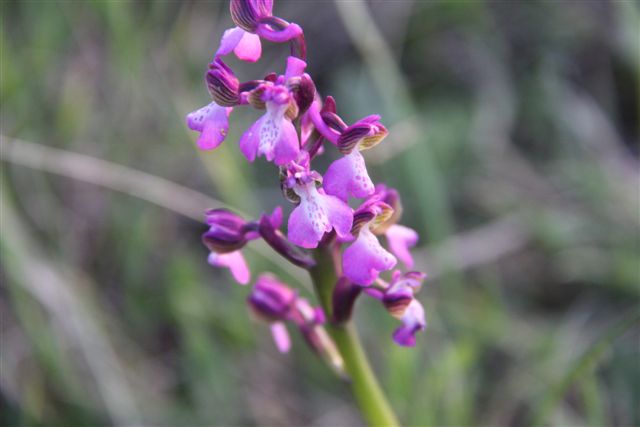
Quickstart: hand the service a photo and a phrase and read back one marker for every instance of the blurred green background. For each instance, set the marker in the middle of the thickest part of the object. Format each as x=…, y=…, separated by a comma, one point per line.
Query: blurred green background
x=514, y=142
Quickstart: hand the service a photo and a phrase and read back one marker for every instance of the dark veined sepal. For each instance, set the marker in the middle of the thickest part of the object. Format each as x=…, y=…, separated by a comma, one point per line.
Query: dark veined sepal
x=372, y=212
x=256, y=96
x=364, y=134
x=247, y=13
x=378, y=133
x=391, y=197
x=222, y=84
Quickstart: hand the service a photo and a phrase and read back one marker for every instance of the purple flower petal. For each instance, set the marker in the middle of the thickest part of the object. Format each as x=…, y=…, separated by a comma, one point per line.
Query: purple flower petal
x=340, y=216
x=413, y=321
x=400, y=239
x=317, y=214
x=271, y=299
x=235, y=262
x=348, y=176
x=226, y=232
x=212, y=121
x=287, y=147
x=251, y=139
x=314, y=114
x=249, y=48
x=281, y=337
x=245, y=45
x=366, y=258
x=229, y=41
x=295, y=67
x=272, y=136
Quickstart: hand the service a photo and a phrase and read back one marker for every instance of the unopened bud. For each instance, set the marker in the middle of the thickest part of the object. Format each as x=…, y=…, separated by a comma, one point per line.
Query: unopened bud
x=227, y=231
x=222, y=84
x=271, y=299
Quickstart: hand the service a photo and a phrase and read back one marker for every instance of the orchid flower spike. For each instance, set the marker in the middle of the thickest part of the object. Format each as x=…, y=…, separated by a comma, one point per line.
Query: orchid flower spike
x=296, y=126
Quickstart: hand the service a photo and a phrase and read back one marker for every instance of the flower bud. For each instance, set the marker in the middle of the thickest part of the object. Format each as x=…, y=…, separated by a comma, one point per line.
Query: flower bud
x=304, y=91
x=222, y=84
x=270, y=299
x=363, y=134
x=227, y=232
x=247, y=13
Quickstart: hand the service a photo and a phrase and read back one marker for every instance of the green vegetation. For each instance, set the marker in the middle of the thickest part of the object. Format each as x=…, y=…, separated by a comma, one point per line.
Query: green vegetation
x=513, y=140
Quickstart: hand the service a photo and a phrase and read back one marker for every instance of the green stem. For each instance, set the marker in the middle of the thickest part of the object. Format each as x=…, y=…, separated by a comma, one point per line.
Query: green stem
x=371, y=400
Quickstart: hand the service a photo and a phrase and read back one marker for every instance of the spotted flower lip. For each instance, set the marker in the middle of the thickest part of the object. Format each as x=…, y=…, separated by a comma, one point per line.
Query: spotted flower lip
x=318, y=213
x=212, y=121
x=363, y=261
x=296, y=126
x=273, y=135
x=348, y=176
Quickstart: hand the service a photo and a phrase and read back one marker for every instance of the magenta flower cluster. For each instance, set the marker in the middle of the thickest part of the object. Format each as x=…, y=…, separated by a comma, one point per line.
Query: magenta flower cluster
x=296, y=127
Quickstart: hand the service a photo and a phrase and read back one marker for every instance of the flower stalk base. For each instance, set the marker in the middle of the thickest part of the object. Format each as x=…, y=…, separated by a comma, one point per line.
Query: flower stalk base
x=371, y=400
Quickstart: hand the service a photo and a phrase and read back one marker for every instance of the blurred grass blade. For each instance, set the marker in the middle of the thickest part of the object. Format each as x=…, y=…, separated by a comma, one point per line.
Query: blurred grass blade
x=69, y=315
x=581, y=368
x=152, y=188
